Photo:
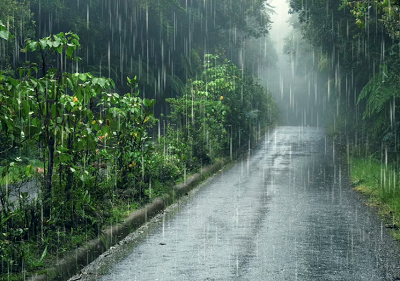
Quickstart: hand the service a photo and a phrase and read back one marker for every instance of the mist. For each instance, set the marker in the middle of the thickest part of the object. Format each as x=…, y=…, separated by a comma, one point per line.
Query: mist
x=295, y=81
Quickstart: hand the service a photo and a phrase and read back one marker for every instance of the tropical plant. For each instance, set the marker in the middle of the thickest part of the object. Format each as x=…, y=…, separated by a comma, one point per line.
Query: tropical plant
x=219, y=112
x=76, y=122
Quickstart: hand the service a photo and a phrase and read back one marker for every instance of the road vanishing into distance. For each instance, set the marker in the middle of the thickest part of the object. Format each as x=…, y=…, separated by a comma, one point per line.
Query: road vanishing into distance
x=284, y=212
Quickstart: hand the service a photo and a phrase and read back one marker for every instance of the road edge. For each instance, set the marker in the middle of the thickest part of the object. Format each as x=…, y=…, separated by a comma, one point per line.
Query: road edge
x=77, y=259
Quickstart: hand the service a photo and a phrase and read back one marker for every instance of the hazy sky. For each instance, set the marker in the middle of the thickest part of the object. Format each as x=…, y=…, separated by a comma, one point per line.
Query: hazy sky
x=294, y=95
x=280, y=27
x=280, y=80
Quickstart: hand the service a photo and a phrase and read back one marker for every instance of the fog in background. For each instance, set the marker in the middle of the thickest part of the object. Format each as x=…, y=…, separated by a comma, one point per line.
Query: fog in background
x=294, y=82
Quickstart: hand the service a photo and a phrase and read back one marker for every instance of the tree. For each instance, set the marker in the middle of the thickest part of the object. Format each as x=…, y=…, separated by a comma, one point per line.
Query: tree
x=74, y=119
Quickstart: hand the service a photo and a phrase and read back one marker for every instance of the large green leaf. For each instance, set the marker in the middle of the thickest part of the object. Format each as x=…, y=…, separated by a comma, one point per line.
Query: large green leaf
x=4, y=34
x=378, y=92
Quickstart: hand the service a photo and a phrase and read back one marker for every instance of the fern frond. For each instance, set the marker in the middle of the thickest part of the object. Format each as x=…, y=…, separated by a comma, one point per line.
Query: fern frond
x=379, y=92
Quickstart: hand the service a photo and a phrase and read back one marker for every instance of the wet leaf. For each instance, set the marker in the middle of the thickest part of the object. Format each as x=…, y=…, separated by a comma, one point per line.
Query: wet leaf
x=4, y=34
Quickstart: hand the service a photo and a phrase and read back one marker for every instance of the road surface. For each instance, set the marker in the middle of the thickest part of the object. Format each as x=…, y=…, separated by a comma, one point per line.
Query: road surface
x=285, y=212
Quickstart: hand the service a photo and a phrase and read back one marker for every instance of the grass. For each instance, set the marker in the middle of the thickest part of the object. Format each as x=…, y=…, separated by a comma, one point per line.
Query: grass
x=120, y=212
x=62, y=240
x=66, y=240
x=381, y=185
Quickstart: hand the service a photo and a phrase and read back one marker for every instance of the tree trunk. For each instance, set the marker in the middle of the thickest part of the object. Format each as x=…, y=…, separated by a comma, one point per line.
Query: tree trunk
x=49, y=176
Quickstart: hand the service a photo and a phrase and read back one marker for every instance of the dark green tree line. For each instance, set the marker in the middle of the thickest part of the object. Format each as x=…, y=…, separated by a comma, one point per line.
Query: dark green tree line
x=161, y=42
x=358, y=52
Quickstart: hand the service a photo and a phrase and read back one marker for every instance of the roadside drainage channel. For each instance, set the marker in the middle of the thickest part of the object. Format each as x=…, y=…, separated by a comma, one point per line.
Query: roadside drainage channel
x=77, y=259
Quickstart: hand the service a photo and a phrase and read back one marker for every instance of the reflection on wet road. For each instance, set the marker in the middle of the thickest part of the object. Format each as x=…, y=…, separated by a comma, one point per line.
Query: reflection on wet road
x=286, y=212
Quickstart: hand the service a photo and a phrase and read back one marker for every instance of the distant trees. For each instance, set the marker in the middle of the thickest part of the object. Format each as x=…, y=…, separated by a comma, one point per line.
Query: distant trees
x=161, y=42
x=17, y=19
x=357, y=42
x=381, y=94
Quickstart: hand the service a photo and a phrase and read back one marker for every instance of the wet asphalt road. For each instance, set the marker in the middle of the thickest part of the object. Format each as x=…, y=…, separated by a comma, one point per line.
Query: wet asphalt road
x=286, y=212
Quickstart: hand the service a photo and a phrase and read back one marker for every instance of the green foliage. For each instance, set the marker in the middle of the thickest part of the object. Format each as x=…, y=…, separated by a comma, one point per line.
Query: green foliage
x=365, y=82
x=166, y=165
x=379, y=92
x=380, y=97
x=15, y=18
x=218, y=113
x=365, y=13
x=4, y=33
x=361, y=81
x=88, y=138
x=59, y=43
x=378, y=182
x=145, y=25
x=132, y=118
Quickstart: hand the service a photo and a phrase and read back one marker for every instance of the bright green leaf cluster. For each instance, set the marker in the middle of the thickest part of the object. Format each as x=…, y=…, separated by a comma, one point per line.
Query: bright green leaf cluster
x=59, y=43
x=4, y=33
x=75, y=121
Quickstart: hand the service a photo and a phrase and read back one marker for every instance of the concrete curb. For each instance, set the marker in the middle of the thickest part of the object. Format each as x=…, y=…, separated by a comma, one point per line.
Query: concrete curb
x=74, y=261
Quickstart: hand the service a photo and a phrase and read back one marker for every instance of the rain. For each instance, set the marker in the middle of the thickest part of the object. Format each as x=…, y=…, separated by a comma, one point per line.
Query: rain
x=199, y=140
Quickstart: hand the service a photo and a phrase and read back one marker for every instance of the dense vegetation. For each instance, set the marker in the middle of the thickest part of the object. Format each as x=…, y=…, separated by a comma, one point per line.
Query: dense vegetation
x=357, y=50
x=355, y=47
x=161, y=42
x=89, y=144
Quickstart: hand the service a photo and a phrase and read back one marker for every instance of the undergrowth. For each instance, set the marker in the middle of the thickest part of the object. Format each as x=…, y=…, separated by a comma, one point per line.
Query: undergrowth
x=379, y=182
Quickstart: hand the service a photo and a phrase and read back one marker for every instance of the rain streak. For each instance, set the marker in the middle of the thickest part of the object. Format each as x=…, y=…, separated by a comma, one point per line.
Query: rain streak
x=199, y=140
